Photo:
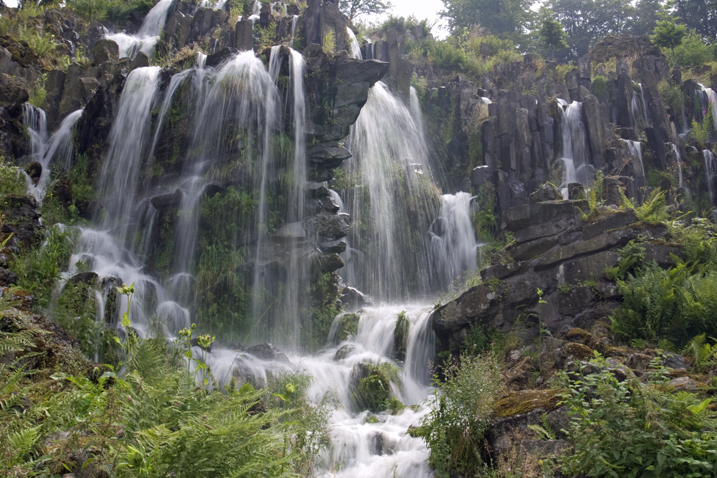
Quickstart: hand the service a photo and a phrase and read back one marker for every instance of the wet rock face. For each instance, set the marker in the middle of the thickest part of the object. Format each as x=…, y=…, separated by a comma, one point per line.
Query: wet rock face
x=555, y=251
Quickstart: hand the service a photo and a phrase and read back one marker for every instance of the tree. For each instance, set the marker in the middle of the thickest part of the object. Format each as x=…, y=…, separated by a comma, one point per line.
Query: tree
x=646, y=15
x=700, y=15
x=587, y=21
x=354, y=8
x=551, y=32
x=503, y=18
x=668, y=34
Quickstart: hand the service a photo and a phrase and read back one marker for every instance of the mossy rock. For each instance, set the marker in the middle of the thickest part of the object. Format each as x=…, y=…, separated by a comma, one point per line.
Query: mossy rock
x=370, y=386
x=524, y=401
x=400, y=336
x=579, y=336
x=347, y=326
x=577, y=351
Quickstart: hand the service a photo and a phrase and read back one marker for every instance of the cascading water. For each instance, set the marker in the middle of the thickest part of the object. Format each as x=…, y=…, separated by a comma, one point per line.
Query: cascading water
x=44, y=150
x=148, y=34
x=644, y=106
x=416, y=110
x=678, y=160
x=577, y=168
x=636, y=152
x=453, y=244
x=238, y=103
x=355, y=47
x=390, y=160
x=711, y=102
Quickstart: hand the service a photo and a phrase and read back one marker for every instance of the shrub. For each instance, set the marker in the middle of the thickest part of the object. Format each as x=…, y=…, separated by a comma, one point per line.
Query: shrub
x=460, y=414
x=600, y=88
x=328, y=44
x=630, y=429
x=38, y=270
x=691, y=52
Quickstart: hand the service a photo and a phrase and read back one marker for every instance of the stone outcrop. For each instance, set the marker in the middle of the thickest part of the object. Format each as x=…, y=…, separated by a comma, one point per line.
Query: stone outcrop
x=557, y=251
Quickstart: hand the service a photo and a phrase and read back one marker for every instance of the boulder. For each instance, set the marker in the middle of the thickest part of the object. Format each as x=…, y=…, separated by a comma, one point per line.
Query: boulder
x=267, y=352
x=105, y=50
x=244, y=35
x=354, y=300
x=546, y=192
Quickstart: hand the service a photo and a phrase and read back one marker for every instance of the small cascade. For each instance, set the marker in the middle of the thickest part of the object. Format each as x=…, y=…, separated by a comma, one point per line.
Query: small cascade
x=256, y=8
x=711, y=169
x=453, y=243
x=644, y=106
x=355, y=47
x=127, y=139
x=711, y=102
x=636, y=152
x=298, y=276
x=678, y=160
x=416, y=110
x=390, y=155
x=44, y=150
x=577, y=168
x=148, y=34
x=275, y=63
x=293, y=28
x=363, y=445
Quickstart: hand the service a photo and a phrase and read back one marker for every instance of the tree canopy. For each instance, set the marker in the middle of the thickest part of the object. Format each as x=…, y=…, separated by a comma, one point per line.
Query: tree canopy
x=355, y=8
x=503, y=18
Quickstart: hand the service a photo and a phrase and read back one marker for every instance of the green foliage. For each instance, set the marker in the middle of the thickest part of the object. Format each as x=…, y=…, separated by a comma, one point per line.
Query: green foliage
x=632, y=429
x=704, y=354
x=480, y=338
x=551, y=32
x=668, y=34
x=701, y=132
x=691, y=52
x=503, y=18
x=460, y=414
x=400, y=336
x=347, y=326
x=631, y=256
x=37, y=98
x=42, y=44
x=373, y=392
x=355, y=8
x=600, y=88
x=39, y=269
x=113, y=10
x=155, y=422
x=12, y=181
x=675, y=304
x=267, y=36
x=402, y=24
x=328, y=43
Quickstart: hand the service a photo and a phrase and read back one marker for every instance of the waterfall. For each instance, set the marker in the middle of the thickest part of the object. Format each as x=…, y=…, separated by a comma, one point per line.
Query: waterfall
x=297, y=278
x=453, y=243
x=390, y=165
x=678, y=160
x=574, y=156
x=44, y=150
x=636, y=153
x=644, y=106
x=127, y=141
x=355, y=47
x=148, y=34
x=416, y=112
x=409, y=240
x=293, y=28
x=711, y=170
x=711, y=102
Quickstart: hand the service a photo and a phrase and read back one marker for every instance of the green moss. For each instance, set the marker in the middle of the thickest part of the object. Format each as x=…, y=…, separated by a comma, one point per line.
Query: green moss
x=524, y=401
x=400, y=336
x=347, y=326
x=374, y=387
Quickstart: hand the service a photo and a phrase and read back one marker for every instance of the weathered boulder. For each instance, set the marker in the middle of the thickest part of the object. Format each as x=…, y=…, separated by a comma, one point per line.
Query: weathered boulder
x=105, y=50
x=267, y=352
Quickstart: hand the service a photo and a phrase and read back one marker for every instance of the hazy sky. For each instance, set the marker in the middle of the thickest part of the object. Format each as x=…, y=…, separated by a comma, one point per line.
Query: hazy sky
x=418, y=8
x=401, y=8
